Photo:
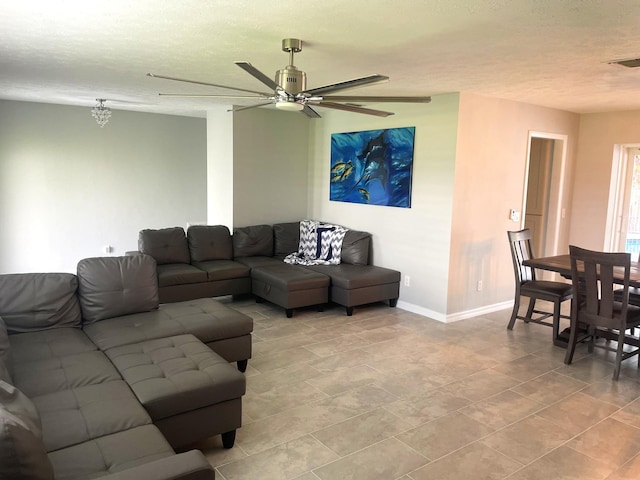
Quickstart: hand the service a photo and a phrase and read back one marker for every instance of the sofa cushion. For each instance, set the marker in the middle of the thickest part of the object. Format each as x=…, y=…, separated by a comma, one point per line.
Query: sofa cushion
x=111, y=453
x=80, y=414
x=205, y=318
x=286, y=238
x=62, y=373
x=289, y=278
x=223, y=269
x=166, y=245
x=22, y=451
x=174, y=375
x=355, y=247
x=209, y=242
x=115, y=286
x=38, y=301
x=32, y=346
x=179, y=274
x=254, y=262
x=252, y=241
x=350, y=277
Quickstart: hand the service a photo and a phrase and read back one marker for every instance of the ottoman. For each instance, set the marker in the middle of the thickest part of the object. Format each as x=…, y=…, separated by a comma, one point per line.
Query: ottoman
x=189, y=391
x=353, y=285
x=290, y=286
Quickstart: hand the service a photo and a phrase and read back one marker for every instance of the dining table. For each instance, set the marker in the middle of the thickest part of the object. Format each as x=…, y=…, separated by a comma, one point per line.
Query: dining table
x=562, y=264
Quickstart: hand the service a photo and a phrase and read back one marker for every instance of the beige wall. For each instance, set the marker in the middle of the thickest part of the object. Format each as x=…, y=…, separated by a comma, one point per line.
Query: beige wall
x=413, y=240
x=68, y=187
x=489, y=181
x=599, y=132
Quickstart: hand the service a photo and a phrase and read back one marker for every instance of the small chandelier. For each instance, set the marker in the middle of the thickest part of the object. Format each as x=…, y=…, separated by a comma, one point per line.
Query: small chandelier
x=100, y=112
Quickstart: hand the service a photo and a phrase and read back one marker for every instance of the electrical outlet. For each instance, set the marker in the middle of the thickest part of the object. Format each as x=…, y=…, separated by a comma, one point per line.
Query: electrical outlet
x=407, y=281
x=479, y=287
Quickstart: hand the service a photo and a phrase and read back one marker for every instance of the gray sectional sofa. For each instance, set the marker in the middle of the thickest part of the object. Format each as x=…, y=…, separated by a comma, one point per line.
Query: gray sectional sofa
x=208, y=261
x=99, y=380
x=197, y=265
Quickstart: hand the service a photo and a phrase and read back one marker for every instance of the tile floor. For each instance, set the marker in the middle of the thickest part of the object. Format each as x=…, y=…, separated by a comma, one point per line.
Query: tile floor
x=388, y=394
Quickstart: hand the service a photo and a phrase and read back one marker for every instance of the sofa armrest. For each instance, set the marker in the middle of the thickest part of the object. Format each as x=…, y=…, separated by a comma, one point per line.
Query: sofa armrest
x=191, y=465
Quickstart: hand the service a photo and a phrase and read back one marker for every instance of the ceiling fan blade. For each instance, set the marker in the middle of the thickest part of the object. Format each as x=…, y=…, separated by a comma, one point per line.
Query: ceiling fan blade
x=378, y=99
x=310, y=112
x=354, y=109
x=204, y=95
x=254, y=72
x=238, y=109
x=358, y=82
x=207, y=84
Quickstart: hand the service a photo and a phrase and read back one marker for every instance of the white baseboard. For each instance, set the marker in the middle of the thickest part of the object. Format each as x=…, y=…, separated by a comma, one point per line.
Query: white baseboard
x=425, y=312
x=454, y=317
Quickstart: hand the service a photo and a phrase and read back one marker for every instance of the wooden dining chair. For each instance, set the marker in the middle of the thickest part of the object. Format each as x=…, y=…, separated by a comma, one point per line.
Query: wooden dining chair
x=598, y=302
x=528, y=286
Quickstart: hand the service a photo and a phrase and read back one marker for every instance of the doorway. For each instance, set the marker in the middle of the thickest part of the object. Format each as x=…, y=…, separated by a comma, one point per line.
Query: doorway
x=543, y=210
x=538, y=191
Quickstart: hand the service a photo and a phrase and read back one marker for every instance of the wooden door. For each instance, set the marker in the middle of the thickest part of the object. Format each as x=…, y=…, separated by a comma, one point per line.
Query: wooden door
x=537, y=206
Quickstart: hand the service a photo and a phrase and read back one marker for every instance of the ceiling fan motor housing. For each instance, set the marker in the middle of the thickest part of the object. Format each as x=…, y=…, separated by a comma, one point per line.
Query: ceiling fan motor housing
x=292, y=80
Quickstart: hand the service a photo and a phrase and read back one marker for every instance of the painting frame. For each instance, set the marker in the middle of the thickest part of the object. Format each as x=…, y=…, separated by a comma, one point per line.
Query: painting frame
x=373, y=167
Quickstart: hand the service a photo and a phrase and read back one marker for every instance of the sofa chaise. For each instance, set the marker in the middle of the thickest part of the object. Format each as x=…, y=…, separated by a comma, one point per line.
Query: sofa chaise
x=99, y=380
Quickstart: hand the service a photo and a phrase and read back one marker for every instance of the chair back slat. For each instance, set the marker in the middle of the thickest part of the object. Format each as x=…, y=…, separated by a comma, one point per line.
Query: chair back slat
x=606, y=290
x=520, y=243
x=592, y=275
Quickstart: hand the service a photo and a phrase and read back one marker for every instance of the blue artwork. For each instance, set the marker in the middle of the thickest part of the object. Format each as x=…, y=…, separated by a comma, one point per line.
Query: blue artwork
x=372, y=167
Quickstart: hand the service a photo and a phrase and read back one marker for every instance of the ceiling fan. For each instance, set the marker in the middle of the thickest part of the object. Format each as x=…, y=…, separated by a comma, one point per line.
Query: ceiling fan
x=289, y=89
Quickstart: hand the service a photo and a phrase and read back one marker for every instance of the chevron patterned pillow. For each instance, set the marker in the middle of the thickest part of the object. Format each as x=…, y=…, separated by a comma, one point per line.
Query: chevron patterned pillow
x=320, y=244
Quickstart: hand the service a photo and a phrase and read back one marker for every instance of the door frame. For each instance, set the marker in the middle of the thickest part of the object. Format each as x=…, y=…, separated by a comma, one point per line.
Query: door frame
x=617, y=192
x=557, y=212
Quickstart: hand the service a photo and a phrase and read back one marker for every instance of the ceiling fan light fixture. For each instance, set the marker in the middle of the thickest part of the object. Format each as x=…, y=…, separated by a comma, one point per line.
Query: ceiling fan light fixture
x=290, y=106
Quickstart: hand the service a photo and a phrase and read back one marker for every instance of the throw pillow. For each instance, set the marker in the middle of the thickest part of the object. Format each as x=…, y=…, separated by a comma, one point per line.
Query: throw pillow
x=320, y=244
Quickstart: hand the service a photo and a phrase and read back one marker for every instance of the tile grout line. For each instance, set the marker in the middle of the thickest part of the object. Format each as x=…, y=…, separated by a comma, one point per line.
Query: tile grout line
x=443, y=342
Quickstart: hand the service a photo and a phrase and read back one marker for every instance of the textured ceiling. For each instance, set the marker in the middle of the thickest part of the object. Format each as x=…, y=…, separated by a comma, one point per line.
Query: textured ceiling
x=546, y=52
